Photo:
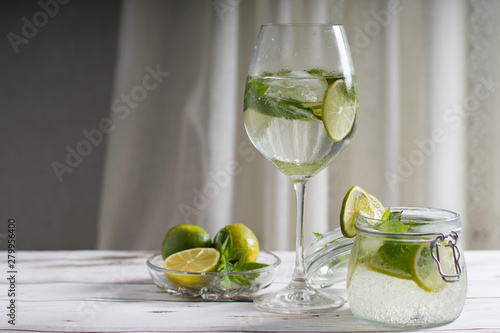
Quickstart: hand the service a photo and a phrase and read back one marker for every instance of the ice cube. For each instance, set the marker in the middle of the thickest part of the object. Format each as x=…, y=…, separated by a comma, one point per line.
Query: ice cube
x=298, y=86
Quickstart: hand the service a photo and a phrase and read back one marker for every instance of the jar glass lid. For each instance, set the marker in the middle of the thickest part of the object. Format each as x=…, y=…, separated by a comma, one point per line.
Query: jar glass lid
x=414, y=221
x=326, y=259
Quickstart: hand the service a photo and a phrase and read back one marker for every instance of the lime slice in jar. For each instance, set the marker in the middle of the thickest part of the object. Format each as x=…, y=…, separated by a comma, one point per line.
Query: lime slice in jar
x=424, y=268
x=358, y=200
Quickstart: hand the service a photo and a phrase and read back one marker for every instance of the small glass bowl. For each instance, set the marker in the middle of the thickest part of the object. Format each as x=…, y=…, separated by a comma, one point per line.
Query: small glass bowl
x=215, y=286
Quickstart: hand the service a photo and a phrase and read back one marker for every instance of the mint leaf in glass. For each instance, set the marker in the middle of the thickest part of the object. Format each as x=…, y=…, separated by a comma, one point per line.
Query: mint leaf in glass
x=397, y=257
x=394, y=257
x=392, y=223
x=293, y=95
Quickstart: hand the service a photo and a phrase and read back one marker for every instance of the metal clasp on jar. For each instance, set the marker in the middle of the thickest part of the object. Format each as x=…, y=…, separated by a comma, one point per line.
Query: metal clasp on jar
x=452, y=243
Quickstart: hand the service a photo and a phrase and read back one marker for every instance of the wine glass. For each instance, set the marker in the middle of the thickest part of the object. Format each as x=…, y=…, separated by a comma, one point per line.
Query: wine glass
x=300, y=111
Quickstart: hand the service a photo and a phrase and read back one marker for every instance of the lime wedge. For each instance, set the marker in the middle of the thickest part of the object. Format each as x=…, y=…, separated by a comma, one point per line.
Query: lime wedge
x=357, y=200
x=339, y=110
x=425, y=270
x=197, y=260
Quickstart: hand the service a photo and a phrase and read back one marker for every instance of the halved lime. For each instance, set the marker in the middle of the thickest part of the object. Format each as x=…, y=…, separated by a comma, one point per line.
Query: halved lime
x=197, y=260
x=339, y=110
x=357, y=200
x=425, y=270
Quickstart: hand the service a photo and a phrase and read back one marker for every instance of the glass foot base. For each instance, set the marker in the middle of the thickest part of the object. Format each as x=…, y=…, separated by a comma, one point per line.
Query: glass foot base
x=298, y=301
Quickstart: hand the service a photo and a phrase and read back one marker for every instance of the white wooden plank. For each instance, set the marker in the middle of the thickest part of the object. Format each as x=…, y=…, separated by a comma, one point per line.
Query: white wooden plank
x=213, y=317
x=147, y=291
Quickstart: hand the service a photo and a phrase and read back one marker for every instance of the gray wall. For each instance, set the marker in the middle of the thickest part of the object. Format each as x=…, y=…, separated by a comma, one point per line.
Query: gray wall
x=57, y=85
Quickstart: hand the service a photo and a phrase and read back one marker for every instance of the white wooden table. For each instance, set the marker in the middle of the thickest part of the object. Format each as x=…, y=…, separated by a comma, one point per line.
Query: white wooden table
x=111, y=291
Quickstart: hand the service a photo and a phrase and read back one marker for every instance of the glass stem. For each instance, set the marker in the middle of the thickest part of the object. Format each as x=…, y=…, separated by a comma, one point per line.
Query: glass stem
x=299, y=280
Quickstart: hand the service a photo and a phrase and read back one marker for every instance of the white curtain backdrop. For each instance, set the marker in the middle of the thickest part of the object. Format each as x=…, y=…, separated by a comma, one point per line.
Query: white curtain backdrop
x=428, y=75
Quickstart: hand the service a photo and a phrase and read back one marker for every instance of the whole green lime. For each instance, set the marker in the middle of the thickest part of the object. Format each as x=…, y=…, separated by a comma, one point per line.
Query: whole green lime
x=244, y=238
x=184, y=237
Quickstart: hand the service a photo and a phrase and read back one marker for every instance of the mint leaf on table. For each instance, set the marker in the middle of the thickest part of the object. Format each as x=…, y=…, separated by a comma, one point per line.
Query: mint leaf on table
x=233, y=254
x=225, y=266
x=223, y=242
x=242, y=266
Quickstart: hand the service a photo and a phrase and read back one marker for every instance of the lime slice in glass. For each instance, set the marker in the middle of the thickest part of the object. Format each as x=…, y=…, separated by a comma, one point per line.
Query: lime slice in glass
x=339, y=110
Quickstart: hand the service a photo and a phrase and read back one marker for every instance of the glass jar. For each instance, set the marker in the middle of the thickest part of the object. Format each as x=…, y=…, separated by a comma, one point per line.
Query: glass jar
x=408, y=273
